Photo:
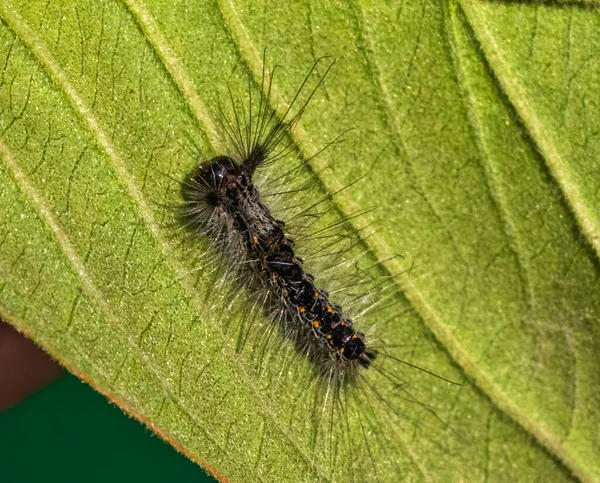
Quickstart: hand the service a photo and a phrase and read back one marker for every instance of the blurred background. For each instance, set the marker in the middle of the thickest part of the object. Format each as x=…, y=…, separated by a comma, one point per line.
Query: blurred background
x=55, y=428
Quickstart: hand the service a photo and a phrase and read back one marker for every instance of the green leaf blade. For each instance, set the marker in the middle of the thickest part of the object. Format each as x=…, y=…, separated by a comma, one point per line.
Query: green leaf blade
x=97, y=100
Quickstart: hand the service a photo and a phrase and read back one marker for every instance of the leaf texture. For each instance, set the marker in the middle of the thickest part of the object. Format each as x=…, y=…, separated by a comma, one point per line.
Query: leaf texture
x=476, y=125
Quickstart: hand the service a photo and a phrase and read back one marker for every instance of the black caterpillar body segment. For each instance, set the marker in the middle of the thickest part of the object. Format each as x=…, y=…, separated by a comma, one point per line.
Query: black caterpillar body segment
x=231, y=203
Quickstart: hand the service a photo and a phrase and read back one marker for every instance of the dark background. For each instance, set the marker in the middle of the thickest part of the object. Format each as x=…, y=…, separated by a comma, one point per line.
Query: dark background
x=67, y=433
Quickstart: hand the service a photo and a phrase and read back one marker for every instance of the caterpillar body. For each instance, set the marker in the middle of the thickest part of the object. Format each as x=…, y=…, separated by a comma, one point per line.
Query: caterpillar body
x=222, y=197
x=223, y=203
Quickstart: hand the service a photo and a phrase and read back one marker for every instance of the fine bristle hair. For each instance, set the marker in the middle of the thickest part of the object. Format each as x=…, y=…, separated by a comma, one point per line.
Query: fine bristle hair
x=256, y=134
x=256, y=228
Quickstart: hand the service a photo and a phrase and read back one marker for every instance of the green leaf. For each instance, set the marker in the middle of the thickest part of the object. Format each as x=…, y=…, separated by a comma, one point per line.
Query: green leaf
x=477, y=124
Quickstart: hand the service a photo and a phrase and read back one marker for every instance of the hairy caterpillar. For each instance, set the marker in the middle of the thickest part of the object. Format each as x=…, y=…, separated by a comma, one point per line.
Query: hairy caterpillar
x=222, y=203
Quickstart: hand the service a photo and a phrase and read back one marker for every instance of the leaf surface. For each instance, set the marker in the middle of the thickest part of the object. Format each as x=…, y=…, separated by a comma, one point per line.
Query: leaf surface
x=476, y=125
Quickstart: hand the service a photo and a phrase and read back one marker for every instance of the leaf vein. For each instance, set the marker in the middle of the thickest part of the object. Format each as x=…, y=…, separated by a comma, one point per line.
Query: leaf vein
x=174, y=68
x=515, y=91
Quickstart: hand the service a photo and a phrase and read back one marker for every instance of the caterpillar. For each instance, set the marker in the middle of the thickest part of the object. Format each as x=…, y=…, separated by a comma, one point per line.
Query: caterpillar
x=223, y=204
